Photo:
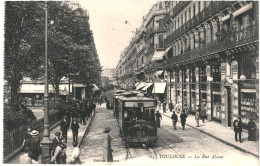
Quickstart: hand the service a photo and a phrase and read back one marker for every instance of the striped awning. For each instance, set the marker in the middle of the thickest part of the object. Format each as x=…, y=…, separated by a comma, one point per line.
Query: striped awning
x=147, y=86
x=141, y=85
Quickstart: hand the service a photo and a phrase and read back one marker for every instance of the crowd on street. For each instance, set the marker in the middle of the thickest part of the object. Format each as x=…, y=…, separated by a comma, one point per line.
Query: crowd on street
x=80, y=112
x=201, y=114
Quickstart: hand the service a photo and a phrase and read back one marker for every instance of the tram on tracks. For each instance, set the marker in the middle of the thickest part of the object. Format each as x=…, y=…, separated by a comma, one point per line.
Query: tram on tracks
x=135, y=115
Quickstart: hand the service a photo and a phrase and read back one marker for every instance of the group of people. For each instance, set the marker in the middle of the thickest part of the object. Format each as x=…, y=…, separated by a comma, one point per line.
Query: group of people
x=238, y=128
x=201, y=113
x=31, y=147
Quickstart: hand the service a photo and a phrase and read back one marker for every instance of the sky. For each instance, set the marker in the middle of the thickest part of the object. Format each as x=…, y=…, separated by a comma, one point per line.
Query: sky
x=108, y=23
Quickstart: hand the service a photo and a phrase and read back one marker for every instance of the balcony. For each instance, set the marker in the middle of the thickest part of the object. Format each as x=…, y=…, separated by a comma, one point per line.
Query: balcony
x=225, y=41
x=201, y=17
x=216, y=86
x=153, y=12
x=174, y=11
x=156, y=29
x=249, y=84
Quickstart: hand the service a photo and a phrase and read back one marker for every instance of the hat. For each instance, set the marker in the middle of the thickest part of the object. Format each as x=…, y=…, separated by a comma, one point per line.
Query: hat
x=29, y=129
x=57, y=133
x=107, y=130
x=64, y=116
x=34, y=132
x=198, y=105
x=74, y=118
x=62, y=145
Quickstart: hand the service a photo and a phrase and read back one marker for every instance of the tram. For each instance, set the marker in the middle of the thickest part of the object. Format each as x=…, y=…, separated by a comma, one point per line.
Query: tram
x=136, y=119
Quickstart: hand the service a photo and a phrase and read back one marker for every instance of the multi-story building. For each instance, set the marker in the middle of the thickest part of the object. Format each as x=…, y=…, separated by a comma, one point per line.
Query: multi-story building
x=212, y=57
x=142, y=61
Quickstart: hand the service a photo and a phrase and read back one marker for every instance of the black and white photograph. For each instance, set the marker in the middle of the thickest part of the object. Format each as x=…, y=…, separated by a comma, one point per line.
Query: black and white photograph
x=134, y=82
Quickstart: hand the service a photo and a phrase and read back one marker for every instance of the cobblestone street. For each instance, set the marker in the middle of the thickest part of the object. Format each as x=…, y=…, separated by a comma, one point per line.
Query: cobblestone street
x=182, y=146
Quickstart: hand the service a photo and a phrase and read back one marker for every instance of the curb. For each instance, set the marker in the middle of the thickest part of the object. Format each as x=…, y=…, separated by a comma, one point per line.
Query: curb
x=18, y=150
x=87, y=130
x=225, y=142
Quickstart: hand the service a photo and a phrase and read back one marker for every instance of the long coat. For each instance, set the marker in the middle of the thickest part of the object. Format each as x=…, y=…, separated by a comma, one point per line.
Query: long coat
x=34, y=145
x=237, y=126
x=64, y=126
x=107, y=150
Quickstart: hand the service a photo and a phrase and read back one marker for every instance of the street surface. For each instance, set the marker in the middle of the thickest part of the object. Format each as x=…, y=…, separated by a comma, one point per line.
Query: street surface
x=182, y=146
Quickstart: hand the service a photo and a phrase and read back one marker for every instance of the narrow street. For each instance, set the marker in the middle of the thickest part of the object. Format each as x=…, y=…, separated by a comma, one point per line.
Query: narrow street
x=179, y=145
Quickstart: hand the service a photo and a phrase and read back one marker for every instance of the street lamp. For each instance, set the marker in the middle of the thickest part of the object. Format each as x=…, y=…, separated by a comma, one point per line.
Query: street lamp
x=46, y=141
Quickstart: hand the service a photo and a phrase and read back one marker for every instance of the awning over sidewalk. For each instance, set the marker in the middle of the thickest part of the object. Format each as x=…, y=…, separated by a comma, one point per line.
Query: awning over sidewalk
x=147, y=86
x=141, y=85
x=158, y=72
x=158, y=56
x=137, y=83
x=166, y=51
x=95, y=88
x=39, y=88
x=159, y=87
x=79, y=85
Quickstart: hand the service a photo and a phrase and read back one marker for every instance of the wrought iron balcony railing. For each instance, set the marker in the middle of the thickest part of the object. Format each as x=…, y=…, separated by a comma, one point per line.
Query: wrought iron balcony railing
x=228, y=39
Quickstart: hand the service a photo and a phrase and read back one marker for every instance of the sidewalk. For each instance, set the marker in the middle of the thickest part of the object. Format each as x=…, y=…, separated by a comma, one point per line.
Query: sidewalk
x=82, y=131
x=221, y=133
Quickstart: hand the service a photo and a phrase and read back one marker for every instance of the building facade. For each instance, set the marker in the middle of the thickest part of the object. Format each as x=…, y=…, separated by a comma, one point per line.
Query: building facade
x=141, y=63
x=212, y=57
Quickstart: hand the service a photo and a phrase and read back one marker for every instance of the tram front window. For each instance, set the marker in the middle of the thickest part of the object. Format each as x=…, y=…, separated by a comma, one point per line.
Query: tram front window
x=136, y=114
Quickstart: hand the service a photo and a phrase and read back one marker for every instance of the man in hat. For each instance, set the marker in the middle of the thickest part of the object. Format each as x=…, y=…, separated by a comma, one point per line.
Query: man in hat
x=34, y=145
x=238, y=128
x=55, y=142
x=75, y=130
x=174, y=118
x=158, y=120
x=107, y=150
x=64, y=127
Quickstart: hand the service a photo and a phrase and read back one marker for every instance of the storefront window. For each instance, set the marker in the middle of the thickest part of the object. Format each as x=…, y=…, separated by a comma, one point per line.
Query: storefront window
x=193, y=101
x=216, y=107
x=248, y=107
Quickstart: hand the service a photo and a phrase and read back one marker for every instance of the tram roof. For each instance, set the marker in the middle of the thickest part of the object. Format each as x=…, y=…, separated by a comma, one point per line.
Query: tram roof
x=137, y=99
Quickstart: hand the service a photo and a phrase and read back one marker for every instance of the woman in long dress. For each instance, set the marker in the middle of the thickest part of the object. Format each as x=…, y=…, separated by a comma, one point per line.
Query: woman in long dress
x=107, y=150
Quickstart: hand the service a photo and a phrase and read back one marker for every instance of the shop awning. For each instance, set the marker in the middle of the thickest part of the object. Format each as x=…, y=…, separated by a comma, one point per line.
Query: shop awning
x=137, y=83
x=158, y=72
x=248, y=90
x=243, y=9
x=95, y=88
x=166, y=51
x=158, y=56
x=141, y=85
x=159, y=87
x=147, y=86
x=79, y=85
x=39, y=88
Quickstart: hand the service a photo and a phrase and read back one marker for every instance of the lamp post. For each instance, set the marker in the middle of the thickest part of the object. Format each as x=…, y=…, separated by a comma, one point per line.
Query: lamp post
x=46, y=141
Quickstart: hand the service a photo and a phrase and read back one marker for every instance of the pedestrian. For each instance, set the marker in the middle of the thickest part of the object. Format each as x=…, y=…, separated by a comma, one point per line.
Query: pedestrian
x=238, y=128
x=171, y=106
x=34, y=145
x=55, y=142
x=107, y=150
x=183, y=117
x=60, y=154
x=25, y=159
x=64, y=127
x=177, y=107
x=108, y=104
x=203, y=113
x=164, y=106
x=174, y=118
x=83, y=115
x=75, y=130
x=158, y=120
x=27, y=137
x=75, y=154
x=251, y=130
x=197, y=118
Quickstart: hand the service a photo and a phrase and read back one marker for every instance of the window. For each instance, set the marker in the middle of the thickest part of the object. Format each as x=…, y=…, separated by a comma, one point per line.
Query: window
x=194, y=9
x=198, y=6
x=161, y=24
x=160, y=41
x=160, y=6
x=189, y=13
x=181, y=19
x=178, y=22
x=175, y=25
x=185, y=17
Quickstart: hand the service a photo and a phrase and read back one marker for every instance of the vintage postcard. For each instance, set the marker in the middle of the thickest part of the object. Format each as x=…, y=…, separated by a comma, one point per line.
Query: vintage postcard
x=131, y=82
